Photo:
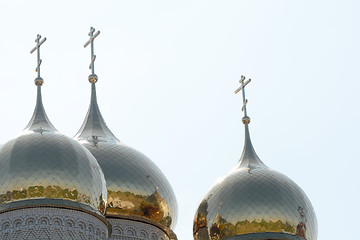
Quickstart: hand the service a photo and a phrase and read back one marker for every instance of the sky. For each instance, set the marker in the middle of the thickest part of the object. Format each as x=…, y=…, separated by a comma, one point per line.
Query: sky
x=167, y=74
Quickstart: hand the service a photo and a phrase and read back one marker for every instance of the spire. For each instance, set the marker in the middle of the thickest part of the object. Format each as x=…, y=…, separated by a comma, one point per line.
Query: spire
x=39, y=121
x=94, y=128
x=249, y=157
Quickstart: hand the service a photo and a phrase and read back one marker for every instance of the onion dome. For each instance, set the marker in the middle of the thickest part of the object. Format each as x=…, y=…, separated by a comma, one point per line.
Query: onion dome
x=137, y=189
x=136, y=186
x=254, y=202
x=42, y=167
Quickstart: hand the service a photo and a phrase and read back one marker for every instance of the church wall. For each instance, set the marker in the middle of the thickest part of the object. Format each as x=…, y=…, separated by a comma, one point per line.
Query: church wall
x=51, y=223
x=132, y=230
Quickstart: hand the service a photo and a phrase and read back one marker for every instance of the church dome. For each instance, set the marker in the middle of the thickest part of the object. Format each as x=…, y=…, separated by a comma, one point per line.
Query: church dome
x=254, y=202
x=137, y=189
x=42, y=167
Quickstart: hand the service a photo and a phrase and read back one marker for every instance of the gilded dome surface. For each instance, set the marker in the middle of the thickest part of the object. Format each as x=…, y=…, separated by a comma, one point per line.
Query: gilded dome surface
x=136, y=186
x=260, y=201
x=43, y=164
x=255, y=202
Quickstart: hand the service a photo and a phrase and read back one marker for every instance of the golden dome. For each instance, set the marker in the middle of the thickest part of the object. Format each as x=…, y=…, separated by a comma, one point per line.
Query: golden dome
x=137, y=189
x=255, y=202
x=43, y=167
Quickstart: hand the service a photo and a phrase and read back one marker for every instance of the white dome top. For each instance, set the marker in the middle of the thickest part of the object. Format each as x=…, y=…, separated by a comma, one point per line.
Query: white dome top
x=42, y=167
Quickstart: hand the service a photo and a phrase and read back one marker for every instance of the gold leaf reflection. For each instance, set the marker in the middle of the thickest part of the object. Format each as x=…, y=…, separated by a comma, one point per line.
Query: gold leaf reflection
x=43, y=192
x=222, y=229
x=152, y=206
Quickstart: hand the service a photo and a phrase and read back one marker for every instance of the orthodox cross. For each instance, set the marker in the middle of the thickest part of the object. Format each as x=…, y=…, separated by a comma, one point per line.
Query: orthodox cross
x=246, y=119
x=91, y=41
x=37, y=47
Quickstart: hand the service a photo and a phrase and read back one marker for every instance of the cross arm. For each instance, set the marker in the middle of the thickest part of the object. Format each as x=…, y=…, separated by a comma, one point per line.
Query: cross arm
x=242, y=86
x=91, y=39
x=38, y=45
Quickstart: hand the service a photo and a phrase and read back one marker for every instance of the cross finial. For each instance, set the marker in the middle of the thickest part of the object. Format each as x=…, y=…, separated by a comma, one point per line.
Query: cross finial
x=92, y=77
x=38, y=80
x=245, y=119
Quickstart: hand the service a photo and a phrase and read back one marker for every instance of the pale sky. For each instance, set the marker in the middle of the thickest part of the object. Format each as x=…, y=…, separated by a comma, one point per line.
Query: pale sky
x=167, y=74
